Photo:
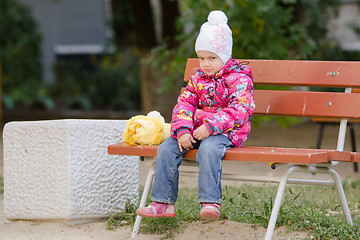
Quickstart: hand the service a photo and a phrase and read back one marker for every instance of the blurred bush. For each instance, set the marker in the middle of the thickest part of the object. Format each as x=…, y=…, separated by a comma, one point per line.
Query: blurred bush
x=263, y=29
x=109, y=82
x=104, y=82
x=20, y=41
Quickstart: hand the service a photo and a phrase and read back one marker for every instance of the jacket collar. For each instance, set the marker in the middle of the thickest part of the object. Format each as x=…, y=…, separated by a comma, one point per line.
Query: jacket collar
x=231, y=66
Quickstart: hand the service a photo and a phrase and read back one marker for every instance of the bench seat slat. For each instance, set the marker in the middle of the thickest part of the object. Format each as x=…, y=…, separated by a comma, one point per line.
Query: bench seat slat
x=333, y=155
x=127, y=150
x=258, y=154
x=355, y=157
x=277, y=156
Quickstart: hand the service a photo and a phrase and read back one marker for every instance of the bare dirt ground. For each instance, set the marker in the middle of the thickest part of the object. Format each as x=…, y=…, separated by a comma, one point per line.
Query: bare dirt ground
x=303, y=136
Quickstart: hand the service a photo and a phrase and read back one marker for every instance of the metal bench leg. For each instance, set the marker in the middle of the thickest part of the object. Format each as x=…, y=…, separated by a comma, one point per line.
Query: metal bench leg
x=144, y=198
x=277, y=203
x=320, y=135
x=341, y=194
x=353, y=144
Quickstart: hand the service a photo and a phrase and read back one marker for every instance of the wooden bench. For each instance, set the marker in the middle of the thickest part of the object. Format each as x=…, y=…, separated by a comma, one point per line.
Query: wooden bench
x=310, y=104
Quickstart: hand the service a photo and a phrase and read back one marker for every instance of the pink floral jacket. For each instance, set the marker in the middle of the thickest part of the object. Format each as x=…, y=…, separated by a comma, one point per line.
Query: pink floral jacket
x=223, y=102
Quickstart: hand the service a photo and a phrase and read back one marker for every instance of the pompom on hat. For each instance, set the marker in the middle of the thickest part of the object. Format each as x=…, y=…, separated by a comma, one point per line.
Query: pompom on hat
x=215, y=36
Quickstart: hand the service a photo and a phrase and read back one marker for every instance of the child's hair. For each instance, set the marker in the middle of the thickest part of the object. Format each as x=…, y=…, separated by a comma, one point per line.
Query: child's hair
x=215, y=36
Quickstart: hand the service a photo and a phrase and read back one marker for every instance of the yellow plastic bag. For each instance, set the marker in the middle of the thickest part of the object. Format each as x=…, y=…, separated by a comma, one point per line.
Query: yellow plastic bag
x=146, y=130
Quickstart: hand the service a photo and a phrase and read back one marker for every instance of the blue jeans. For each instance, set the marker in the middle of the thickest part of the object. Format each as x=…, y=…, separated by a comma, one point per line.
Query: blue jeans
x=209, y=159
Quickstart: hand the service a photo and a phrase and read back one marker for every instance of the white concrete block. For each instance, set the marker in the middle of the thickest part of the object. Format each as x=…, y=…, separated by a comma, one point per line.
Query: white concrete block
x=60, y=170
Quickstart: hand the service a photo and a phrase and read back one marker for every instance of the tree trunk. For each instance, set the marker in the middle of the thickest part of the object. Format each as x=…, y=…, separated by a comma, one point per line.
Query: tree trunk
x=122, y=23
x=151, y=98
x=170, y=12
x=146, y=40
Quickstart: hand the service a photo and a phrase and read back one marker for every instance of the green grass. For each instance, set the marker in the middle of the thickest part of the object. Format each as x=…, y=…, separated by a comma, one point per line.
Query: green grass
x=1, y=185
x=304, y=208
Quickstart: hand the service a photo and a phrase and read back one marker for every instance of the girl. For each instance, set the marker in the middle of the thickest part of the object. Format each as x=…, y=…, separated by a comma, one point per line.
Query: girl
x=212, y=115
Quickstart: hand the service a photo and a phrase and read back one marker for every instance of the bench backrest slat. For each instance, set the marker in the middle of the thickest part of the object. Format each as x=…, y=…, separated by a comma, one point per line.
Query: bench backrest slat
x=307, y=104
x=292, y=72
x=302, y=73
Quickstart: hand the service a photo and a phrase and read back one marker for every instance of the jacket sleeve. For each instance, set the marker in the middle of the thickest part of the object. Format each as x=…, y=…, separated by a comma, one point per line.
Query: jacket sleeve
x=240, y=106
x=183, y=113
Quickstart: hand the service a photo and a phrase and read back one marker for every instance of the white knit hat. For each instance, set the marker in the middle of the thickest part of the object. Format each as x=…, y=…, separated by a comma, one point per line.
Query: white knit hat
x=215, y=36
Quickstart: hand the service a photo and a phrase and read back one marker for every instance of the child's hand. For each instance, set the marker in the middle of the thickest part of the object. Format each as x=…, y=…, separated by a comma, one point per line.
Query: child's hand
x=201, y=133
x=186, y=141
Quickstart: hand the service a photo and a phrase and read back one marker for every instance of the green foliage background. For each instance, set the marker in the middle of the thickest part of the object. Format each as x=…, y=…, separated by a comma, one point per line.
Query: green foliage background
x=262, y=29
x=112, y=82
x=20, y=41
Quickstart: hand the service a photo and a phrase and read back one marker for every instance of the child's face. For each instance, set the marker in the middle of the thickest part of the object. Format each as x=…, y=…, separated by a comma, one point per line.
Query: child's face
x=210, y=63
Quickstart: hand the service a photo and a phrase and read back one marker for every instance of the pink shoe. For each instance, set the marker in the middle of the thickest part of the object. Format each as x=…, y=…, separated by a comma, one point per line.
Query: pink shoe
x=156, y=209
x=210, y=211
